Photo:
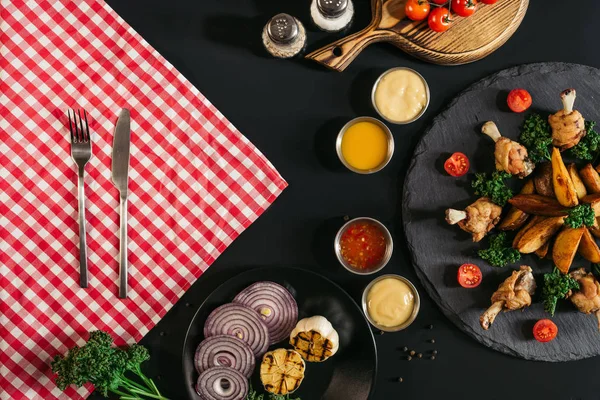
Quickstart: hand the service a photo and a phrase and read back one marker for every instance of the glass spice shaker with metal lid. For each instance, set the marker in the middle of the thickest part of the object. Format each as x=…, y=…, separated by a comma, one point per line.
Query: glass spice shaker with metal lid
x=284, y=36
x=332, y=15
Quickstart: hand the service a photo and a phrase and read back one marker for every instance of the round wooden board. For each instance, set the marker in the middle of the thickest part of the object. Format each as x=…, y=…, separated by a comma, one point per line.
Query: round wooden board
x=468, y=39
x=438, y=248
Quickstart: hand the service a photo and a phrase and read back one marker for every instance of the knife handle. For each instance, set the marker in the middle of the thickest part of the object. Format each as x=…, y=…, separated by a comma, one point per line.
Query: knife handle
x=123, y=248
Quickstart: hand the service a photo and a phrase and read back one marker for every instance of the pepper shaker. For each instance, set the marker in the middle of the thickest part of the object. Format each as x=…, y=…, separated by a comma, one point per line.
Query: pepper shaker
x=332, y=15
x=284, y=36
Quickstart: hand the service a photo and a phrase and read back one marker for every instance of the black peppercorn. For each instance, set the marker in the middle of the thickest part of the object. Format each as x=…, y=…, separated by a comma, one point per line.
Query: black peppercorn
x=430, y=326
x=431, y=340
x=400, y=380
x=408, y=358
x=434, y=352
x=405, y=348
x=419, y=355
x=432, y=357
x=412, y=352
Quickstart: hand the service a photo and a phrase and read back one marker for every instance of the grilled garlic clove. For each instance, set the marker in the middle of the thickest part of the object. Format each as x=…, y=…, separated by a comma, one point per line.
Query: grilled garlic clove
x=315, y=339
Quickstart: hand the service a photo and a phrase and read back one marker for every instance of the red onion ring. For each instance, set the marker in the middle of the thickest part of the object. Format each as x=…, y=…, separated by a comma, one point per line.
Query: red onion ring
x=275, y=305
x=224, y=351
x=222, y=383
x=241, y=321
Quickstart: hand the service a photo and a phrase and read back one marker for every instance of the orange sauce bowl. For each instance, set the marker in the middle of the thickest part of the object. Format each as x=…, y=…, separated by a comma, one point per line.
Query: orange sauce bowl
x=363, y=246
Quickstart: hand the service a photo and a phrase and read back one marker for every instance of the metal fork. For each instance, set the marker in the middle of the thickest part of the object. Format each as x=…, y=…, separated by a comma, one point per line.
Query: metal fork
x=81, y=151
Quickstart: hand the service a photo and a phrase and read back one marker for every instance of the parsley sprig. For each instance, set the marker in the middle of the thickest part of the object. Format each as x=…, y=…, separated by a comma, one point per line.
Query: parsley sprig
x=536, y=135
x=556, y=287
x=493, y=187
x=253, y=395
x=588, y=146
x=580, y=215
x=500, y=252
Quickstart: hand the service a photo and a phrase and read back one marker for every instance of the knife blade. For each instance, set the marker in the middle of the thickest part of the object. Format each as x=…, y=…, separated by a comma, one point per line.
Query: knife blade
x=120, y=177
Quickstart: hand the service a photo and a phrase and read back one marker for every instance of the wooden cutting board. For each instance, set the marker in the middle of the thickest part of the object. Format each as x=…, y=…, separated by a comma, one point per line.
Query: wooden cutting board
x=468, y=39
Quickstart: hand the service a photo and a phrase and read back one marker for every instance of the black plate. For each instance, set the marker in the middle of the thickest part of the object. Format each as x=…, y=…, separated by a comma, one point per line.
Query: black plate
x=438, y=249
x=350, y=374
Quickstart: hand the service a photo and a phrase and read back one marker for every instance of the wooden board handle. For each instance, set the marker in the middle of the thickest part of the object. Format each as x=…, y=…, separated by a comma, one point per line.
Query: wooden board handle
x=338, y=55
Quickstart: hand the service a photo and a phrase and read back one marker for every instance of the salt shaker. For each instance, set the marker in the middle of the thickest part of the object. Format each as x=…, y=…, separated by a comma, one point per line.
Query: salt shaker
x=284, y=36
x=332, y=15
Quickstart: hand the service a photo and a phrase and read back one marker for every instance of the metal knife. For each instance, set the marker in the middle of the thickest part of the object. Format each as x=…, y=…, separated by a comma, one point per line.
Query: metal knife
x=120, y=177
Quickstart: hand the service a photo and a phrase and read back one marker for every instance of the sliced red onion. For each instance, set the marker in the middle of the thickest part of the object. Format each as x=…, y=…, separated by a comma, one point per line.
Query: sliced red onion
x=275, y=305
x=222, y=383
x=224, y=351
x=240, y=321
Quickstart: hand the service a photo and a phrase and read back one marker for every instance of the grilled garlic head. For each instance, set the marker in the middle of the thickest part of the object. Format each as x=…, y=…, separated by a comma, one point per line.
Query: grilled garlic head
x=315, y=339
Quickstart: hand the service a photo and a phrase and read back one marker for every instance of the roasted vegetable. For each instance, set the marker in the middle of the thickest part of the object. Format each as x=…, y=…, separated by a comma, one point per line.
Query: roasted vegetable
x=515, y=218
x=539, y=205
x=540, y=233
x=588, y=247
x=282, y=371
x=590, y=178
x=543, y=179
x=556, y=287
x=565, y=247
x=580, y=215
x=537, y=137
x=588, y=146
x=499, y=253
x=564, y=190
x=594, y=201
x=105, y=366
x=543, y=251
x=577, y=182
x=532, y=221
x=494, y=187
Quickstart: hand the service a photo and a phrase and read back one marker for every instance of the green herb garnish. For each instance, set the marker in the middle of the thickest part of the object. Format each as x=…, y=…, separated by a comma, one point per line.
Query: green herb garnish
x=105, y=366
x=495, y=188
x=253, y=395
x=536, y=135
x=500, y=252
x=580, y=215
x=556, y=287
x=588, y=146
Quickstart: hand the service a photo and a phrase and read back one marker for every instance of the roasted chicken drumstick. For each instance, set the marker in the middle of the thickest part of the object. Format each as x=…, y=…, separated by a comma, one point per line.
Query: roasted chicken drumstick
x=477, y=219
x=587, y=298
x=512, y=294
x=510, y=156
x=568, y=125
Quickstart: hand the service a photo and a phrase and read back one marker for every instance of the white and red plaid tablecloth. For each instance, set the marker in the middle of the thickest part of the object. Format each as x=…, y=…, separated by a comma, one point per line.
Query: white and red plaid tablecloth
x=195, y=184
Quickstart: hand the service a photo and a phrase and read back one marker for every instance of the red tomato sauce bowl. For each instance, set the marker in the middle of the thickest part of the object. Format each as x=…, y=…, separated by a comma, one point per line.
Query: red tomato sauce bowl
x=363, y=245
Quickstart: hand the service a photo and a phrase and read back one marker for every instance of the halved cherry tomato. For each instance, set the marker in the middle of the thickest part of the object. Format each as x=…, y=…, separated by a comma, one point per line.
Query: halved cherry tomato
x=439, y=2
x=439, y=19
x=488, y=1
x=417, y=10
x=544, y=330
x=464, y=8
x=457, y=164
x=519, y=100
x=469, y=276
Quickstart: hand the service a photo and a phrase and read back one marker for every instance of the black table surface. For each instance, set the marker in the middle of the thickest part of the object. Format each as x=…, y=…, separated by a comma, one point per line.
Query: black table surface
x=291, y=110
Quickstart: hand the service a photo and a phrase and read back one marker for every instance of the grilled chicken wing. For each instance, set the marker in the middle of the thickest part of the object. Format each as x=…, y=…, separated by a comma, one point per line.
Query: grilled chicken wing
x=510, y=156
x=568, y=125
x=477, y=219
x=512, y=294
x=587, y=298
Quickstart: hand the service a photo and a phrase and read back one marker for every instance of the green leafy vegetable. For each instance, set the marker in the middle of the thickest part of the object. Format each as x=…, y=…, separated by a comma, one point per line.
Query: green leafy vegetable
x=495, y=188
x=500, y=252
x=588, y=146
x=536, y=135
x=253, y=395
x=580, y=215
x=556, y=287
x=105, y=366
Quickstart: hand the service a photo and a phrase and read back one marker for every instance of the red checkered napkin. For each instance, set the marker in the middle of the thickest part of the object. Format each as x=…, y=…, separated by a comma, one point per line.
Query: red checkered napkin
x=195, y=184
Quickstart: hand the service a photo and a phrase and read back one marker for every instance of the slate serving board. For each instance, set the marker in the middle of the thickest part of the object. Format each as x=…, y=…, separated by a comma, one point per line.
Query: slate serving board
x=438, y=249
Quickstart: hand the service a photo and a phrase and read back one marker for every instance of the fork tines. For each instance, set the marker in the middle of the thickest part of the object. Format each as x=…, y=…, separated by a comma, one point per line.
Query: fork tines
x=79, y=133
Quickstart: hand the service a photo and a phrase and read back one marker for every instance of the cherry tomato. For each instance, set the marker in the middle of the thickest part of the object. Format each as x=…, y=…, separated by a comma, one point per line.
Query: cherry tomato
x=464, y=8
x=544, y=330
x=519, y=100
x=457, y=164
x=439, y=19
x=469, y=276
x=439, y=2
x=417, y=10
x=488, y=1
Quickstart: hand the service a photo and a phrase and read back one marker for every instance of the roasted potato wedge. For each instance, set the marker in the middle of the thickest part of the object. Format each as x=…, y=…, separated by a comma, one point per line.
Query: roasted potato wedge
x=543, y=251
x=532, y=221
x=565, y=246
x=543, y=179
x=564, y=190
x=598, y=168
x=595, y=230
x=540, y=233
x=538, y=205
x=588, y=247
x=594, y=201
x=577, y=182
x=515, y=218
x=590, y=178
